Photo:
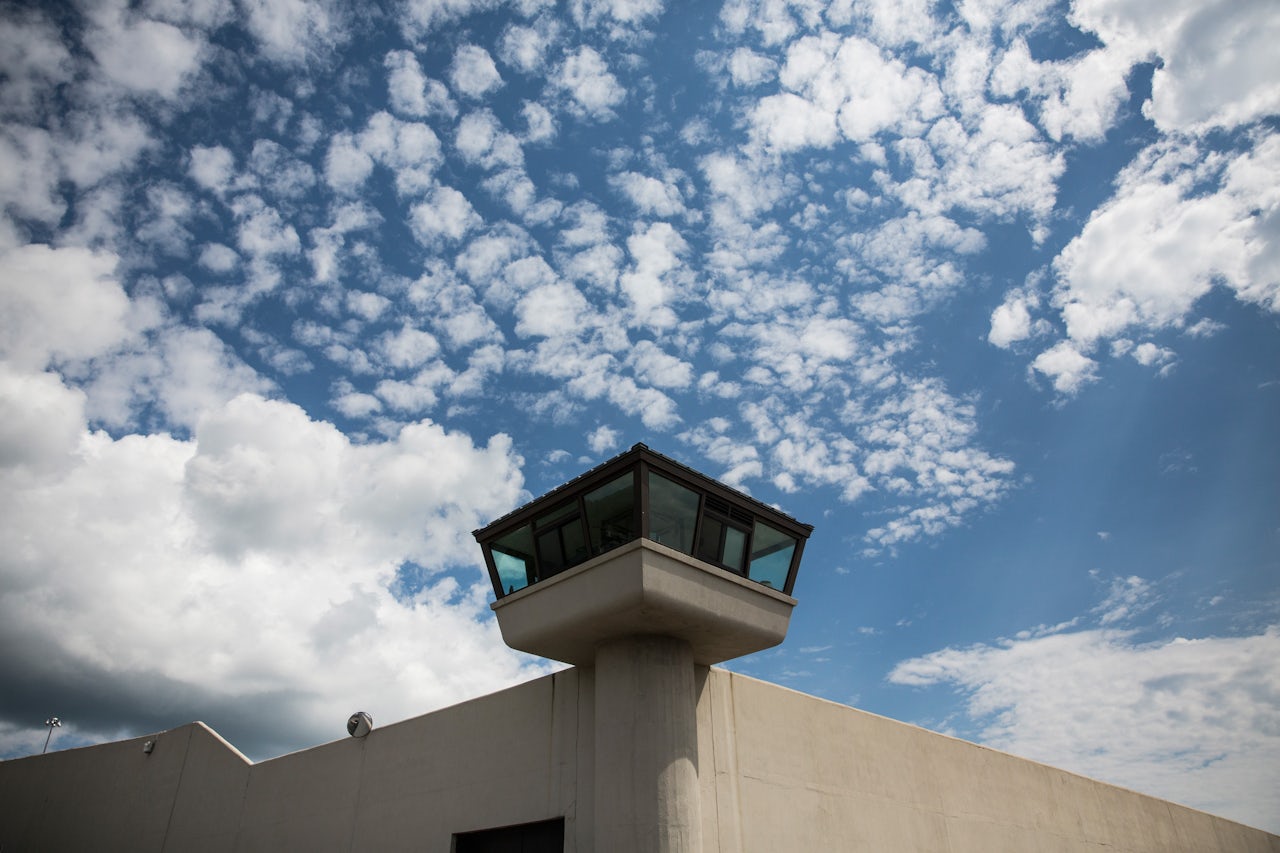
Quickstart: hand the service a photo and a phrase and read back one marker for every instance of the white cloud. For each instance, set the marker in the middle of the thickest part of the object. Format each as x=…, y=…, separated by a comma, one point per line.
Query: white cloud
x=445, y=214
x=262, y=231
x=34, y=60
x=289, y=536
x=1216, y=69
x=586, y=78
x=141, y=54
x=650, y=196
x=60, y=304
x=346, y=167
x=419, y=17
x=293, y=31
x=1189, y=720
x=481, y=139
x=788, y=122
x=525, y=48
x=1066, y=367
x=41, y=421
x=1079, y=97
x=218, y=258
x=871, y=92
x=1147, y=255
x=473, y=72
x=748, y=68
x=279, y=171
x=212, y=167
x=408, y=347
x=602, y=439
x=541, y=124
x=649, y=284
x=177, y=372
x=1011, y=321
x=658, y=368
x=412, y=92
x=618, y=18
x=551, y=310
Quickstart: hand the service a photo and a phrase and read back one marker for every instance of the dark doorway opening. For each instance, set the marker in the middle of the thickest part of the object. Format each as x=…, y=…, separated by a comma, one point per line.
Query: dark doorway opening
x=545, y=836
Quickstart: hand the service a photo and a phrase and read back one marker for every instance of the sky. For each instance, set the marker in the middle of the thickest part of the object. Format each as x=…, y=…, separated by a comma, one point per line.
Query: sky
x=295, y=295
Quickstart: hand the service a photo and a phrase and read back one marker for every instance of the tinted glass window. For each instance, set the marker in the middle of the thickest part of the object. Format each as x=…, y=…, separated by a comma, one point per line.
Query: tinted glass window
x=673, y=513
x=771, y=551
x=611, y=514
x=513, y=558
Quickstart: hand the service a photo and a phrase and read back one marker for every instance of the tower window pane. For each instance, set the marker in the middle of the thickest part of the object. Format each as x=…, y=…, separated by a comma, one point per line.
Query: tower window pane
x=673, y=513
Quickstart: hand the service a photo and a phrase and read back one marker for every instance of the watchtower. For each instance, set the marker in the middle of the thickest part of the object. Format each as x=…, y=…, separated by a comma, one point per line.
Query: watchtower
x=642, y=569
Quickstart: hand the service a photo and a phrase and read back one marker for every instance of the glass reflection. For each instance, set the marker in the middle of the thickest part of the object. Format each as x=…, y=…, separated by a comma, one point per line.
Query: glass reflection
x=673, y=513
x=771, y=551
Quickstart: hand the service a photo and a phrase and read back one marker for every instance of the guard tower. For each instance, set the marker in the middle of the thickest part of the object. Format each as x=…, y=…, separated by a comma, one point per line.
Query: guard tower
x=640, y=570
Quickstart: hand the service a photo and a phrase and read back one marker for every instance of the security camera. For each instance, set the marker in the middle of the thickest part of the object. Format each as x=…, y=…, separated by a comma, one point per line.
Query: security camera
x=360, y=724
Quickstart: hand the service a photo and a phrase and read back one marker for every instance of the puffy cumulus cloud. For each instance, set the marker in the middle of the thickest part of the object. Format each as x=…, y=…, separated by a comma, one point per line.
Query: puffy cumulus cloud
x=29, y=174
x=41, y=421
x=419, y=17
x=602, y=439
x=1068, y=368
x=444, y=215
x=176, y=372
x=776, y=21
x=788, y=122
x=212, y=167
x=617, y=18
x=919, y=445
x=540, y=124
x=660, y=369
x=410, y=149
x=346, y=166
x=34, y=60
x=592, y=89
x=481, y=139
x=473, y=72
x=289, y=538
x=293, y=32
x=59, y=305
x=1193, y=720
x=525, y=48
x=1216, y=65
x=1177, y=224
x=141, y=54
x=1078, y=97
x=916, y=257
x=326, y=253
x=412, y=92
x=1011, y=321
x=550, y=310
x=748, y=68
x=650, y=283
x=870, y=92
x=997, y=165
x=651, y=196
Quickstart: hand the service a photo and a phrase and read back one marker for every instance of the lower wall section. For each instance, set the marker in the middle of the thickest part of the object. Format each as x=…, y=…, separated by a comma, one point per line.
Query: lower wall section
x=813, y=775
x=507, y=758
x=776, y=771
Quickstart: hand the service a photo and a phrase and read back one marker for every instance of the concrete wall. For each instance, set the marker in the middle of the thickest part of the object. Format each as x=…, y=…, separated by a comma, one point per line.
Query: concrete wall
x=511, y=757
x=797, y=773
x=777, y=771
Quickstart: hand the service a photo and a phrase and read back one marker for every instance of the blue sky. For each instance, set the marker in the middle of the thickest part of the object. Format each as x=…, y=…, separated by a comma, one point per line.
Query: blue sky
x=294, y=295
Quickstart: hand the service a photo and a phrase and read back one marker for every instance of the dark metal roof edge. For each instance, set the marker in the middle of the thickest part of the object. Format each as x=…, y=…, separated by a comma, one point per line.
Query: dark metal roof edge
x=640, y=449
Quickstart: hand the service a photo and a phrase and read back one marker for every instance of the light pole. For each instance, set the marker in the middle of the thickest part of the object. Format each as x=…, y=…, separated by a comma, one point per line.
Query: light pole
x=52, y=723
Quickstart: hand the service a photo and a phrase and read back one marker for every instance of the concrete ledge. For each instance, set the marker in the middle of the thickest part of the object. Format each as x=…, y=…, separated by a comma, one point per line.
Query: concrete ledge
x=644, y=588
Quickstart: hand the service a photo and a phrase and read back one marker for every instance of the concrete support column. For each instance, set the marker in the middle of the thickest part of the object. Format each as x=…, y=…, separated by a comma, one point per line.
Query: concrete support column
x=647, y=798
